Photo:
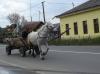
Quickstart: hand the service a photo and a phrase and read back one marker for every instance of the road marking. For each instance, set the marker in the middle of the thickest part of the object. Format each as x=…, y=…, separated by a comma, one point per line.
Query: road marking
x=12, y=64
x=37, y=70
x=59, y=51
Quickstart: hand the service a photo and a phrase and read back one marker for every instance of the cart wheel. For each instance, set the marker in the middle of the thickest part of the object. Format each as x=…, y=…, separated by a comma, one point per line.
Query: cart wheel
x=8, y=50
x=22, y=52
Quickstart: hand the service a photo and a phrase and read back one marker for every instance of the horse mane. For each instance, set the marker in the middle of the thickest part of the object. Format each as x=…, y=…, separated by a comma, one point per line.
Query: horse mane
x=41, y=28
x=47, y=23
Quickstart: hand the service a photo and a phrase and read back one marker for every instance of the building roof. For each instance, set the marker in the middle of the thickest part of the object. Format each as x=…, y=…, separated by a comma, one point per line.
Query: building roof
x=87, y=5
x=30, y=26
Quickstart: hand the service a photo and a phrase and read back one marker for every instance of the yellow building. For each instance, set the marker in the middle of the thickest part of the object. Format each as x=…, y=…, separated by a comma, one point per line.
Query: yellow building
x=84, y=20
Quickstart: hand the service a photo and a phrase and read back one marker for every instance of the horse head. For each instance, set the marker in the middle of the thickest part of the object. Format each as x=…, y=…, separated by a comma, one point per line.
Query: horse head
x=49, y=26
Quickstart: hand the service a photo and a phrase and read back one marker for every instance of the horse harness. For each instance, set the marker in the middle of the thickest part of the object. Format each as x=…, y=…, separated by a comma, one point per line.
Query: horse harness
x=42, y=36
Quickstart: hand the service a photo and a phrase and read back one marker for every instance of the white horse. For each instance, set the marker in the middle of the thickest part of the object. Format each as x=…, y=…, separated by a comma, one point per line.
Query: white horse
x=40, y=38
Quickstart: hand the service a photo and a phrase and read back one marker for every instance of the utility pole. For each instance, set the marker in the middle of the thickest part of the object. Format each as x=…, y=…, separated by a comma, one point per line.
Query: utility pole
x=39, y=15
x=43, y=11
x=73, y=4
x=30, y=12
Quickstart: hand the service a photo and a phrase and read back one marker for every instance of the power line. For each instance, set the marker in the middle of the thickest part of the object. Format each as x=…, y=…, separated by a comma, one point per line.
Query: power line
x=59, y=3
x=62, y=3
x=34, y=6
x=55, y=3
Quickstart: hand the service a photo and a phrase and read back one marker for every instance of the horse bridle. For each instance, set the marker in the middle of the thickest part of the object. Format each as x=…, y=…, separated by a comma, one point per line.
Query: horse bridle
x=41, y=37
x=42, y=29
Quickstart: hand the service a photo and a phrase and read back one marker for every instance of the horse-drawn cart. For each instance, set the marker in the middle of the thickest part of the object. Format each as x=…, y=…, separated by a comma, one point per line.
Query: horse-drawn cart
x=22, y=45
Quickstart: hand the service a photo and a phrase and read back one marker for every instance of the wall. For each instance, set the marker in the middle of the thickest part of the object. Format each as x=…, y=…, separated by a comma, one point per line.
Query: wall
x=79, y=18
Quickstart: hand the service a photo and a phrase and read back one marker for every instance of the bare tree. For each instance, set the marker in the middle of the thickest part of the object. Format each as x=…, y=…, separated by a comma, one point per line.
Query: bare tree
x=14, y=18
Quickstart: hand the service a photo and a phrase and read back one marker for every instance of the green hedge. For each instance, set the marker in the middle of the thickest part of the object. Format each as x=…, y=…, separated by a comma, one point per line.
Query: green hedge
x=85, y=41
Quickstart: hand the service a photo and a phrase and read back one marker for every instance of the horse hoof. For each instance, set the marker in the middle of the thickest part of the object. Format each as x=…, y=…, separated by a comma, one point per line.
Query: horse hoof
x=34, y=56
x=44, y=54
x=42, y=58
x=8, y=50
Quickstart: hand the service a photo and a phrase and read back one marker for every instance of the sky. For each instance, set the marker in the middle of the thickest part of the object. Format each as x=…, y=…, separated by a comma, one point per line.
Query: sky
x=22, y=7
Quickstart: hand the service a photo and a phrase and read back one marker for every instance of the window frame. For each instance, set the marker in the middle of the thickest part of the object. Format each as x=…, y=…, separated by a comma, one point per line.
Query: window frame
x=67, y=32
x=96, y=25
x=75, y=28
x=85, y=27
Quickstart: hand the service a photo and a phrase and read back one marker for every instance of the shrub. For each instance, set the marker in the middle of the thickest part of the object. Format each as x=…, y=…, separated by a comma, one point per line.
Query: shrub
x=84, y=41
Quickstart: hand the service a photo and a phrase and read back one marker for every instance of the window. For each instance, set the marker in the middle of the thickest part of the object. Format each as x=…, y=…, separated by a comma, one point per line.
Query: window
x=96, y=25
x=75, y=28
x=85, y=29
x=67, y=26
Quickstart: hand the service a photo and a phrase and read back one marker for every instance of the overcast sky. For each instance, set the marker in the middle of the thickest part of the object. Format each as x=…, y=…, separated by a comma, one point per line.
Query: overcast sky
x=52, y=8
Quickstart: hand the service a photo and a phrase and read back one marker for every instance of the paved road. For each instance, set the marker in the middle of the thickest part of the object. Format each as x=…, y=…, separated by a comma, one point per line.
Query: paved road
x=60, y=60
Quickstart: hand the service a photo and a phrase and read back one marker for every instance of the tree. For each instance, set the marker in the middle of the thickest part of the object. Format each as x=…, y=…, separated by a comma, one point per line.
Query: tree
x=14, y=18
x=18, y=21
